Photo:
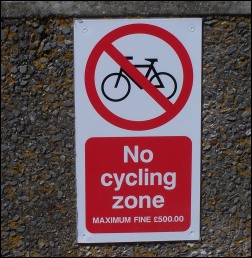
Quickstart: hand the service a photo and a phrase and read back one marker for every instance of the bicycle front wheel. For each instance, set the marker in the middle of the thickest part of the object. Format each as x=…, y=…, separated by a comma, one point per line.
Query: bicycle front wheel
x=111, y=91
x=167, y=83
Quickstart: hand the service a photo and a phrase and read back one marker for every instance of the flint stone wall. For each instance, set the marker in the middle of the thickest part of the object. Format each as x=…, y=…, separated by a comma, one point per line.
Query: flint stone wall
x=38, y=195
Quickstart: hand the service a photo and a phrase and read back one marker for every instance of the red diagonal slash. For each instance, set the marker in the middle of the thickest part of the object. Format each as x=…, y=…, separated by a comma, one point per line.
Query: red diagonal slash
x=139, y=78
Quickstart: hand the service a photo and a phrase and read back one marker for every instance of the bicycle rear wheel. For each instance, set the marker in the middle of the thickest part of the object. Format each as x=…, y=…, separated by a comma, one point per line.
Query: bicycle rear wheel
x=168, y=82
x=113, y=93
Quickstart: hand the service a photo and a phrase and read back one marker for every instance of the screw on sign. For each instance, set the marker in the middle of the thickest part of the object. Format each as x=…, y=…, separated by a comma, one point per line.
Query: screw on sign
x=129, y=72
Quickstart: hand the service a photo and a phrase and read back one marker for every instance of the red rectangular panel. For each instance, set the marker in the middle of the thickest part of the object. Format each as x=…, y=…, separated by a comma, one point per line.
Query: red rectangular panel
x=138, y=184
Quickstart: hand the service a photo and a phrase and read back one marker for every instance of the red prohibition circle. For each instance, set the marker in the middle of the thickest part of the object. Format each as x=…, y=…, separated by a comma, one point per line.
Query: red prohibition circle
x=105, y=43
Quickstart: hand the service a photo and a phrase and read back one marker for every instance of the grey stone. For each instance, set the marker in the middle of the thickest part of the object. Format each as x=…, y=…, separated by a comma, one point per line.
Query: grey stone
x=232, y=210
x=61, y=45
x=129, y=252
x=23, y=45
x=21, y=229
x=69, y=146
x=24, y=198
x=239, y=99
x=41, y=244
x=209, y=118
x=238, y=181
x=67, y=103
x=47, y=47
x=243, y=25
x=243, y=215
x=51, y=243
x=3, y=70
x=247, y=246
x=14, y=138
x=66, y=30
x=33, y=148
x=5, y=234
x=248, y=132
x=33, y=117
x=219, y=241
x=14, y=70
x=194, y=253
x=17, y=253
x=231, y=187
x=57, y=137
x=51, y=98
x=23, y=68
x=16, y=218
x=68, y=42
x=231, y=118
x=60, y=194
x=42, y=162
x=231, y=50
x=3, y=35
x=23, y=83
x=52, y=89
x=238, y=235
x=242, y=127
x=211, y=22
x=41, y=29
x=70, y=114
x=13, y=182
x=4, y=147
x=13, y=28
x=15, y=37
x=239, y=152
x=33, y=223
x=16, y=113
x=246, y=114
x=236, y=200
x=41, y=139
x=20, y=129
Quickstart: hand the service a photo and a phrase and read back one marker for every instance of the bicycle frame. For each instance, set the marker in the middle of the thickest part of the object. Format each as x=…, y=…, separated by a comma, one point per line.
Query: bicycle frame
x=150, y=68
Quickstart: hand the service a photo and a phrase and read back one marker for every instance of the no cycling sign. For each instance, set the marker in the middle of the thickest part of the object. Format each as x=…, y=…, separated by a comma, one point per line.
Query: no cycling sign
x=138, y=129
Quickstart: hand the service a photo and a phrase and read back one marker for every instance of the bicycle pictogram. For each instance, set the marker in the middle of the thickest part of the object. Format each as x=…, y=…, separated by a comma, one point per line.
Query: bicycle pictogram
x=117, y=86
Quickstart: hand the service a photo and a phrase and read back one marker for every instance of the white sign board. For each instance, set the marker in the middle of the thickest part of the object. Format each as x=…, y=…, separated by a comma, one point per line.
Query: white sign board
x=138, y=129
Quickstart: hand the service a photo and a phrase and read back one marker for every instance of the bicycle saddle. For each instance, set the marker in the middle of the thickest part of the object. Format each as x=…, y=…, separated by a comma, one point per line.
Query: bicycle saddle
x=129, y=57
x=151, y=59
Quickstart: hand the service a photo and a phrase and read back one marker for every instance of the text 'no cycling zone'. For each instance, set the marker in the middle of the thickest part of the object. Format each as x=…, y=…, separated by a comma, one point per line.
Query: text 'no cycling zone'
x=117, y=86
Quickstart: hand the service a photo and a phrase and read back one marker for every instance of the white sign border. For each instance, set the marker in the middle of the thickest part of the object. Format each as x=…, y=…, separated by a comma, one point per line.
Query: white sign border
x=83, y=236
